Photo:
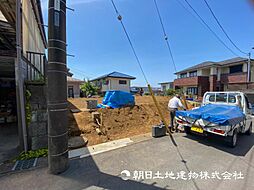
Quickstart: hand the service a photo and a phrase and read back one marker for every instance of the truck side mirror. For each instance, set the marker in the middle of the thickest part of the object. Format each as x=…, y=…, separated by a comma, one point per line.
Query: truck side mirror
x=250, y=106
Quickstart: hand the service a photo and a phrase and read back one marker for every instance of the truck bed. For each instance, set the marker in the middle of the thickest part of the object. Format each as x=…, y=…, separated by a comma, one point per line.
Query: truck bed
x=218, y=114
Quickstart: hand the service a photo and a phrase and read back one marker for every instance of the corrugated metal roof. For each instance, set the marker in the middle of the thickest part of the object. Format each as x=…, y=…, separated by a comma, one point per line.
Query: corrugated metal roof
x=114, y=75
x=211, y=63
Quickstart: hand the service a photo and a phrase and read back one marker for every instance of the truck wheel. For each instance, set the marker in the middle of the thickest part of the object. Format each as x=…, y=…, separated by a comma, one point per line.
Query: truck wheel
x=187, y=130
x=249, y=130
x=233, y=139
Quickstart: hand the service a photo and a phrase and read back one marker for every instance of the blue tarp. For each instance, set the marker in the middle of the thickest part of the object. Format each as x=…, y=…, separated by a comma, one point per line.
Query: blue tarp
x=117, y=99
x=215, y=113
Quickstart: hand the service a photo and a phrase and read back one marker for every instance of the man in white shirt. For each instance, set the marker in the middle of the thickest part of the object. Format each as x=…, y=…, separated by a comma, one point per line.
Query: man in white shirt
x=173, y=105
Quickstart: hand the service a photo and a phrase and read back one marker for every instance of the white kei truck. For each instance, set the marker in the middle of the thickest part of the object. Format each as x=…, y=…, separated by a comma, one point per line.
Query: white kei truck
x=224, y=114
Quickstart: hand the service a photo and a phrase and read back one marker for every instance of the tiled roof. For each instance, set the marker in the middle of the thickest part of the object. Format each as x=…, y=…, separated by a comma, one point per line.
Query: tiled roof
x=114, y=75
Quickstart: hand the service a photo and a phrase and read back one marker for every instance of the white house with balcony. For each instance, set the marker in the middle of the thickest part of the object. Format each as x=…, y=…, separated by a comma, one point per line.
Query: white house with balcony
x=113, y=81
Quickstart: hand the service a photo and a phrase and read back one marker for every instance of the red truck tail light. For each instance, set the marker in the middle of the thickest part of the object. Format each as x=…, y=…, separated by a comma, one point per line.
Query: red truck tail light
x=218, y=131
x=180, y=121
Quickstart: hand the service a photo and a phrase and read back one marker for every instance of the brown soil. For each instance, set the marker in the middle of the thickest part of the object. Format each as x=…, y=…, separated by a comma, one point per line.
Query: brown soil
x=116, y=123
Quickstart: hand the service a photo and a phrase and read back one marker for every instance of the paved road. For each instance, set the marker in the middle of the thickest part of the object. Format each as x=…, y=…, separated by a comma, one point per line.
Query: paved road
x=195, y=154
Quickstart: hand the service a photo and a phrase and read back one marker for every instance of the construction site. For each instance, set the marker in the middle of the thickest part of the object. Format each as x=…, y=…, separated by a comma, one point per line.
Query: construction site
x=115, y=123
x=126, y=95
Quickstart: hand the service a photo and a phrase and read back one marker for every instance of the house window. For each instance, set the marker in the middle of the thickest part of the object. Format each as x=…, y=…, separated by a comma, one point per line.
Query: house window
x=105, y=82
x=183, y=75
x=192, y=90
x=193, y=74
x=123, y=82
x=236, y=69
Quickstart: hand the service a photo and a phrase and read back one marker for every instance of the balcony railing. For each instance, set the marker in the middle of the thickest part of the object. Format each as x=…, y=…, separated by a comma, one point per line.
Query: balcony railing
x=186, y=81
x=191, y=81
x=234, y=78
x=36, y=66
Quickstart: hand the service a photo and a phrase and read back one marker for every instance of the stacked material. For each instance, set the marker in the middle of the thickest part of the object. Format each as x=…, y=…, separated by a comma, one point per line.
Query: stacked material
x=117, y=99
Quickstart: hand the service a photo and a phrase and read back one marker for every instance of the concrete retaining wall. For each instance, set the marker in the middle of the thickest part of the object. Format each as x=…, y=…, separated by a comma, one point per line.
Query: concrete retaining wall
x=38, y=127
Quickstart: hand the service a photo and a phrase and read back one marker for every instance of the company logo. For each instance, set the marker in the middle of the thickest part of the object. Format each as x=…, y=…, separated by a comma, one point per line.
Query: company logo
x=125, y=174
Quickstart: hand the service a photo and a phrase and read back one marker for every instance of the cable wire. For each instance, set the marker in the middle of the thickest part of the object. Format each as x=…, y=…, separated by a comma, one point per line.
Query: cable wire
x=165, y=35
x=79, y=72
x=119, y=17
x=209, y=28
x=216, y=19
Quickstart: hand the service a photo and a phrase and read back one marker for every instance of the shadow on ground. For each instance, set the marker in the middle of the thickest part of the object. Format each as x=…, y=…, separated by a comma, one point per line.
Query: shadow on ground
x=85, y=174
x=245, y=143
x=9, y=141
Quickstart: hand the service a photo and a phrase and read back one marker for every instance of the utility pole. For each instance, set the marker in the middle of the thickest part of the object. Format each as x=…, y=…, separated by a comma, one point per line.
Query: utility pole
x=57, y=88
x=249, y=68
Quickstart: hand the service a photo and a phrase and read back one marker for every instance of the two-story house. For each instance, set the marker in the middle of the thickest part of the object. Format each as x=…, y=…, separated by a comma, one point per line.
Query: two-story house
x=231, y=74
x=22, y=75
x=113, y=81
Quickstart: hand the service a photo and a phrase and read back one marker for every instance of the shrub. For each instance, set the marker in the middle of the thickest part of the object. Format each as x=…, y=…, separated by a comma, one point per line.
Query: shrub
x=89, y=89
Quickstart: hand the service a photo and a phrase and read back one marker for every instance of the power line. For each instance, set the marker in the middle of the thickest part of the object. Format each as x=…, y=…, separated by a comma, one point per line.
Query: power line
x=208, y=27
x=80, y=72
x=165, y=35
x=119, y=17
x=209, y=7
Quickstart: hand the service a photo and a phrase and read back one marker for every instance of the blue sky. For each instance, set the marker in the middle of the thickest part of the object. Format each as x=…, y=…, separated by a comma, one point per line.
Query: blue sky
x=95, y=36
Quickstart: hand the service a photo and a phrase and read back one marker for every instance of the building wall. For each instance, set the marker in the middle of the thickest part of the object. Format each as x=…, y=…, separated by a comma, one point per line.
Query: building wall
x=203, y=85
x=218, y=78
x=32, y=40
x=206, y=72
x=114, y=84
x=242, y=87
x=189, y=81
x=166, y=86
x=234, y=78
x=213, y=71
x=252, y=73
x=212, y=82
x=76, y=88
x=104, y=87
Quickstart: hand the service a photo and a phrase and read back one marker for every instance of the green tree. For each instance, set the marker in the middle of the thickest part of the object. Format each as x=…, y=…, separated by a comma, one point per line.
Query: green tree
x=170, y=92
x=89, y=89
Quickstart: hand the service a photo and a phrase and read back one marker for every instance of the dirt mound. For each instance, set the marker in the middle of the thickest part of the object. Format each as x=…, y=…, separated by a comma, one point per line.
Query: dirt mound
x=126, y=122
x=117, y=123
